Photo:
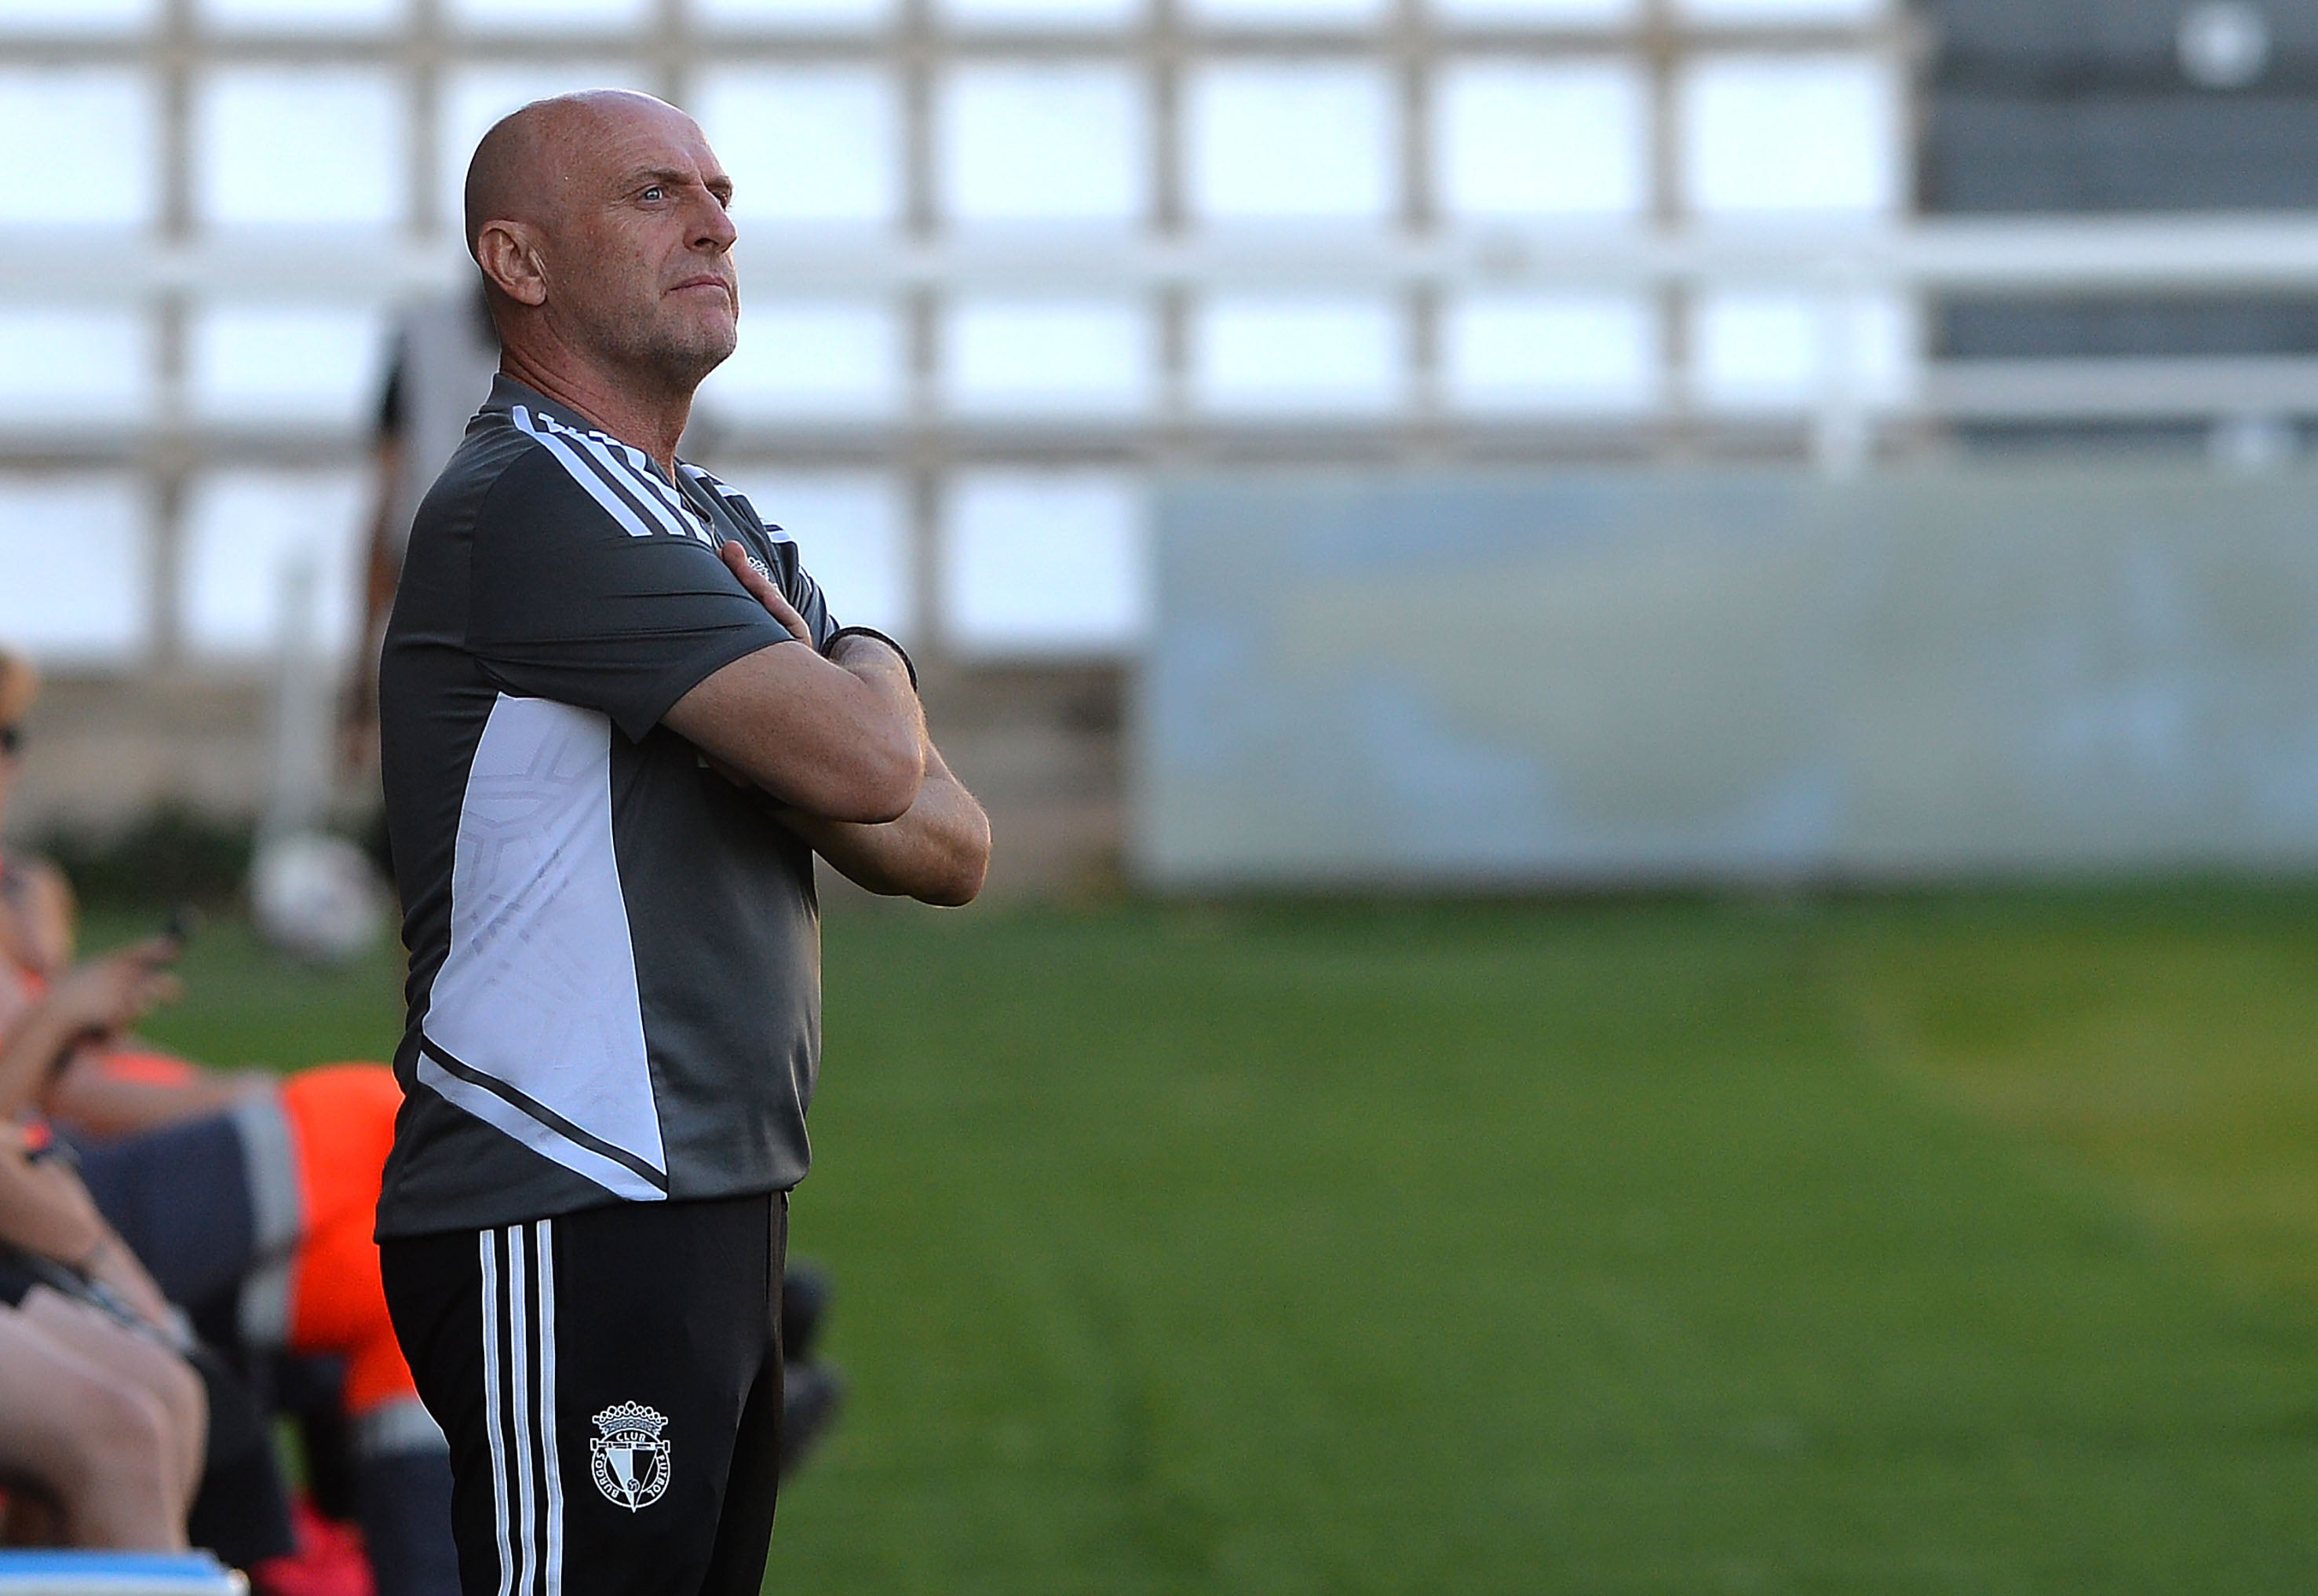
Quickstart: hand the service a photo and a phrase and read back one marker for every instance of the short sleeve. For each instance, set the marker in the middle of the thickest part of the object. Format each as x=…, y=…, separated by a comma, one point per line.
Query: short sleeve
x=796, y=583
x=812, y=605
x=570, y=604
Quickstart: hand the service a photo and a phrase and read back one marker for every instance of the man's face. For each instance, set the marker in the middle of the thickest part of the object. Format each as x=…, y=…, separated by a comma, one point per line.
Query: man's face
x=640, y=261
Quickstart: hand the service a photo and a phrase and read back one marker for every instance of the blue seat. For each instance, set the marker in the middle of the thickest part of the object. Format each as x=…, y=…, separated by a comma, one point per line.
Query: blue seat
x=117, y=1574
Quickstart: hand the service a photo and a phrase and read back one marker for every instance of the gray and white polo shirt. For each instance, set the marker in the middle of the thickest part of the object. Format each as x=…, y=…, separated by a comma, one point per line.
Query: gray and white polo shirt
x=615, y=989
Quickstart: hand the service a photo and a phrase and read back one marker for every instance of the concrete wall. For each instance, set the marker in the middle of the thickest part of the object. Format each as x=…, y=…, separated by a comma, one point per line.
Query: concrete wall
x=103, y=749
x=1702, y=676
x=1039, y=745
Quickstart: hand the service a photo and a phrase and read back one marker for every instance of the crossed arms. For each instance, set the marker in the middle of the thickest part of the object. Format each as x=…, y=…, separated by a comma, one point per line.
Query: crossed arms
x=842, y=743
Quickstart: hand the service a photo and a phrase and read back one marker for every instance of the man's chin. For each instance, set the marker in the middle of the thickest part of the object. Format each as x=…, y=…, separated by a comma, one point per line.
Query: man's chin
x=680, y=364
x=710, y=339
x=713, y=352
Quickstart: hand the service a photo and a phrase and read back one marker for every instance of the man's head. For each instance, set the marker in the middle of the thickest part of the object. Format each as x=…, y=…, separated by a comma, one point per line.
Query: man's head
x=598, y=220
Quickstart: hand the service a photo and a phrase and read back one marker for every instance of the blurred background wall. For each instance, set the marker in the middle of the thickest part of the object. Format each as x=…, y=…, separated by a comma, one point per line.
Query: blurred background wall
x=1600, y=678
x=1013, y=266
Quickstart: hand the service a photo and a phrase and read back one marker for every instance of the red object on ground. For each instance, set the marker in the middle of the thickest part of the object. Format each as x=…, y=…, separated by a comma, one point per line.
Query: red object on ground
x=329, y=1559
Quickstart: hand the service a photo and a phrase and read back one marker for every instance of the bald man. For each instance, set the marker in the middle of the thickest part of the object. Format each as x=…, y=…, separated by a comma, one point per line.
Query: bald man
x=617, y=724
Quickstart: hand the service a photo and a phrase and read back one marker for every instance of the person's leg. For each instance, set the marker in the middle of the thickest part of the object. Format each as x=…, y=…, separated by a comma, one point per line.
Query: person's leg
x=400, y=1463
x=744, y=1529
x=434, y=1287
x=242, y=1509
x=100, y=1444
x=813, y=1393
x=592, y=1374
x=310, y=1391
x=403, y=1502
x=145, y=1364
x=342, y=1124
x=669, y=1387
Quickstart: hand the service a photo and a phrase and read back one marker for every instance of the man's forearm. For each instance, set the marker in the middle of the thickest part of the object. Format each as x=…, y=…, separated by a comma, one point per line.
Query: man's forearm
x=839, y=738
x=937, y=853
x=882, y=669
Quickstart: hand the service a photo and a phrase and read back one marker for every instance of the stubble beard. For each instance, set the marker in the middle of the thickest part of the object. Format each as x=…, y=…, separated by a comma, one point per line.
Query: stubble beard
x=666, y=356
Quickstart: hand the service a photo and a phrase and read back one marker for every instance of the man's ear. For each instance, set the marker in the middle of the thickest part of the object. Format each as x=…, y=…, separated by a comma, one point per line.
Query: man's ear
x=509, y=256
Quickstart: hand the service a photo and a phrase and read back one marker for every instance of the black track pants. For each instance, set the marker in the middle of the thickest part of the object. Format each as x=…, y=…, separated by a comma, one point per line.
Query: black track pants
x=610, y=1382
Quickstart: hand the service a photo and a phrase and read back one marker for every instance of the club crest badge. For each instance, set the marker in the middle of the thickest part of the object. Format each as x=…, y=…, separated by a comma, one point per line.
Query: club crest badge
x=630, y=1455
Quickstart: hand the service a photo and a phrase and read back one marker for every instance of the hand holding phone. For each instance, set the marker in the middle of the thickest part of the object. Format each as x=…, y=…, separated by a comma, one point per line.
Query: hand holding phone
x=102, y=995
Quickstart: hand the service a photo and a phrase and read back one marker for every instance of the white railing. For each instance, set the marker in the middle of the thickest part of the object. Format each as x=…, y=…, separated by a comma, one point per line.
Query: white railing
x=2057, y=256
x=2052, y=257
x=1839, y=418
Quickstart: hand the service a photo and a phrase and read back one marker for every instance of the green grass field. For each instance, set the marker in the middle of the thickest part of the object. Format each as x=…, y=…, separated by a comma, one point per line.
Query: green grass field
x=1955, y=1244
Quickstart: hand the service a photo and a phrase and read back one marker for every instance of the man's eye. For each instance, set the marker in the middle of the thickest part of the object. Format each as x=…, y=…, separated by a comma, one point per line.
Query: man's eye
x=655, y=193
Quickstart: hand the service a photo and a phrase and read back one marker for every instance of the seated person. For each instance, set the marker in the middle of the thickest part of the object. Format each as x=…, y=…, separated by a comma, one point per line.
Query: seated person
x=259, y=1222
x=256, y=1221
x=101, y=1421
x=266, y=1202
x=62, y=1265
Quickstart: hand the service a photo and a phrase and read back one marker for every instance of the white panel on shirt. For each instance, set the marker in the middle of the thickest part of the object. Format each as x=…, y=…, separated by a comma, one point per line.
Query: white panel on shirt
x=539, y=989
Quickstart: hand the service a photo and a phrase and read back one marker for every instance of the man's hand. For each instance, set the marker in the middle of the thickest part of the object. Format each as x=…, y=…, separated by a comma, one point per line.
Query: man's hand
x=828, y=739
x=776, y=604
x=762, y=590
x=940, y=849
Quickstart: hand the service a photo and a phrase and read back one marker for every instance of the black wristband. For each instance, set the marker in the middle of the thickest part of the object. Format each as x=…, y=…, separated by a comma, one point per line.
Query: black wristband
x=843, y=633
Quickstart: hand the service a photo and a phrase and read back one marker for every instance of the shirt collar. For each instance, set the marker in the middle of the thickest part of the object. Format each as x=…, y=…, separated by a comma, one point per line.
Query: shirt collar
x=506, y=393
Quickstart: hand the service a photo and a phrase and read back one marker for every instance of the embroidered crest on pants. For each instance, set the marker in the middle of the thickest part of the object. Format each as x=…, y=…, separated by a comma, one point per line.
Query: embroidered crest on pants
x=630, y=1455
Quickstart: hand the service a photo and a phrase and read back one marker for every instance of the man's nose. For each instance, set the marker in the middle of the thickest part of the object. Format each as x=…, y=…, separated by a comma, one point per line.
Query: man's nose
x=714, y=229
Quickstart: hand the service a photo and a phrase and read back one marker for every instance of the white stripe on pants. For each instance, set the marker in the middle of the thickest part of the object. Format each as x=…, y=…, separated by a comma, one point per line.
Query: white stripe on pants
x=519, y=1373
